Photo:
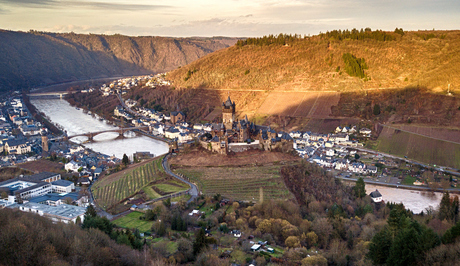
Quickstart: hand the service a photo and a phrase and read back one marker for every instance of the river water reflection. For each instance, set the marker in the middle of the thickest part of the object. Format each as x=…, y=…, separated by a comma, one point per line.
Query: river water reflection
x=414, y=200
x=76, y=121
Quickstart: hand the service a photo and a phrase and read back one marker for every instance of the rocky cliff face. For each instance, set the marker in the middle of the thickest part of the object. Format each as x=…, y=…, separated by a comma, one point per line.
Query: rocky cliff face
x=36, y=58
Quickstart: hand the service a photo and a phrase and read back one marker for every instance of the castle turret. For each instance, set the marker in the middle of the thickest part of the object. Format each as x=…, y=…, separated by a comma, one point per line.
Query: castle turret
x=228, y=113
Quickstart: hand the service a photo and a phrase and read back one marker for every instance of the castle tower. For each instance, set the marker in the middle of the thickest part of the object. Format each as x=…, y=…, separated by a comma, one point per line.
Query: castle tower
x=45, y=143
x=228, y=113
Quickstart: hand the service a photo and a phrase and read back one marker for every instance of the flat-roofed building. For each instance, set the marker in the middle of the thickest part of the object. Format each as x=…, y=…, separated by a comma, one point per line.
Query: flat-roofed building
x=62, y=213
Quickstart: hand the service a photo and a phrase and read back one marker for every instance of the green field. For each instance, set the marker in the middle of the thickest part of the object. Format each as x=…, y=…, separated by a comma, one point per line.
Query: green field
x=241, y=183
x=150, y=192
x=417, y=147
x=109, y=194
x=132, y=221
x=408, y=180
x=172, y=186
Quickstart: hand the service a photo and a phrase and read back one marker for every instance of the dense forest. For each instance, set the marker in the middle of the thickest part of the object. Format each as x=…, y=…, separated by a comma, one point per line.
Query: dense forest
x=354, y=34
x=28, y=239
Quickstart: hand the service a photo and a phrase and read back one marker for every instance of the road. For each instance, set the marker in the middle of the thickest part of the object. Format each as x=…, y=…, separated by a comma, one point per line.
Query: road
x=193, y=188
x=99, y=211
x=367, y=181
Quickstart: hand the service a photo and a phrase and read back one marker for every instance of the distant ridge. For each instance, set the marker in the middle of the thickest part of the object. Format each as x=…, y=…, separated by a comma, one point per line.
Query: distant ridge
x=30, y=59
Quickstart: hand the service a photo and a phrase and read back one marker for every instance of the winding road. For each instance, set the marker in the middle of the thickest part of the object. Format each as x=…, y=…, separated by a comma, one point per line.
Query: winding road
x=193, y=188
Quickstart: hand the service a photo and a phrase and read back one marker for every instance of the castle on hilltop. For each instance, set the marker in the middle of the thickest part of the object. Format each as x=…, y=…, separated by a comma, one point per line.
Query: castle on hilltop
x=233, y=135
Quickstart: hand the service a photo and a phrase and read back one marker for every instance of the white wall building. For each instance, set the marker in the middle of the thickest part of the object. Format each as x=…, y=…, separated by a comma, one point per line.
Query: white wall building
x=61, y=213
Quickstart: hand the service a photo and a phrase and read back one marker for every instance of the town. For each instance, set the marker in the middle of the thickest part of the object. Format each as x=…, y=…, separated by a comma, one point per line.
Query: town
x=66, y=197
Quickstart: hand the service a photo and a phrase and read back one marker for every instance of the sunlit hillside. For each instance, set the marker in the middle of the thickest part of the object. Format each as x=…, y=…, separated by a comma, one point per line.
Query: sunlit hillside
x=424, y=58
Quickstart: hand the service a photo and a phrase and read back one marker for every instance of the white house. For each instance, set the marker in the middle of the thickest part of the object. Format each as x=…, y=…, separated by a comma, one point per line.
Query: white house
x=376, y=196
x=72, y=166
x=365, y=131
x=330, y=152
x=341, y=164
x=172, y=133
x=341, y=138
x=371, y=169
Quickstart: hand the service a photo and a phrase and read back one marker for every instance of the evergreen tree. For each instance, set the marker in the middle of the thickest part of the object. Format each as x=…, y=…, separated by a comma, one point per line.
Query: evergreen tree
x=379, y=248
x=451, y=234
x=200, y=242
x=405, y=248
x=445, y=210
x=360, y=188
x=376, y=109
x=454, y=209
x=90, y=212
x=125, y=159
x=397, y=220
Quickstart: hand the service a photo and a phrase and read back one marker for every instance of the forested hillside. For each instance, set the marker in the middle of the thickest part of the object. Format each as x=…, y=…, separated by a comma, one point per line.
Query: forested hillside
x=332, y=61
x=29, y=59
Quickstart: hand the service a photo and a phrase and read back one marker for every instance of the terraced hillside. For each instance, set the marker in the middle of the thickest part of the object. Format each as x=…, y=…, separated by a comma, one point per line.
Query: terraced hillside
x=113, y=189
x=240, y=183
x=251, y=175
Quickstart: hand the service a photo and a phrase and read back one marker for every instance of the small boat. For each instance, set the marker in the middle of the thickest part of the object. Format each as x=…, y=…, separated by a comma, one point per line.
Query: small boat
x=77, y=108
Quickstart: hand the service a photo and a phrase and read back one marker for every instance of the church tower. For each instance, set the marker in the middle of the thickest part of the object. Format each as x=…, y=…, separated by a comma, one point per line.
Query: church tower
x=228, y=113
x=45, y=143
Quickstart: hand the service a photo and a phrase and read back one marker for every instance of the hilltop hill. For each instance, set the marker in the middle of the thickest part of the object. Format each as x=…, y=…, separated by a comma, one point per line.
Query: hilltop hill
x=29, y=59
x=426, y=58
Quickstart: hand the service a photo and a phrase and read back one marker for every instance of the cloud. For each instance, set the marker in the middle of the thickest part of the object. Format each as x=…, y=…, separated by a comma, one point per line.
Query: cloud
x=29, y=3
x=98, y=5
x=113, y=6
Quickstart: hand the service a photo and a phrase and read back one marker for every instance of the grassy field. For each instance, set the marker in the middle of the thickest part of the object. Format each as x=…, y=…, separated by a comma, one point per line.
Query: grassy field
x=132, y=221
x=171, y=186
x=408, y=180
x=241, y=183
x=108, y=194
x=417, y=147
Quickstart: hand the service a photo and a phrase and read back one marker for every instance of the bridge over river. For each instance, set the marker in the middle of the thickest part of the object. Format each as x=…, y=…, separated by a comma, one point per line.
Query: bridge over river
x=91, y=135
x=57, y=94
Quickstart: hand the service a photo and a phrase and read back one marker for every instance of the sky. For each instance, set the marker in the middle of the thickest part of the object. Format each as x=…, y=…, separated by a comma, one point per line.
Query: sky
x=233, y=18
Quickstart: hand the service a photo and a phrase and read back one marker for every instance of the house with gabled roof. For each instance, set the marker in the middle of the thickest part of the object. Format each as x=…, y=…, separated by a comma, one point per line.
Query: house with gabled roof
x=376, y=196
x=20, y=146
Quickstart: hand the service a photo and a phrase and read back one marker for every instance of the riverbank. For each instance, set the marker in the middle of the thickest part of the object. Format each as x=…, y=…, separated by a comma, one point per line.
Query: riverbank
x=399, y=186
x=39, y=117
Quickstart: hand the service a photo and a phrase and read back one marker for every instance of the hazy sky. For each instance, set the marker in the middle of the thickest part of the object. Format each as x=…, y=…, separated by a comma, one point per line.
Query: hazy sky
x=225, y=17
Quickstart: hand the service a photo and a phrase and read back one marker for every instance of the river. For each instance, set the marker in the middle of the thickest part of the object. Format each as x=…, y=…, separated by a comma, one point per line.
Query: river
x=76, y=121
x=414, y=200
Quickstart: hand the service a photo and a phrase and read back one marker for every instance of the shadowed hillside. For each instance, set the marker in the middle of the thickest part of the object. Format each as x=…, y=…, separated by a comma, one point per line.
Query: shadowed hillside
x=425, y=58
x=37, y=58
